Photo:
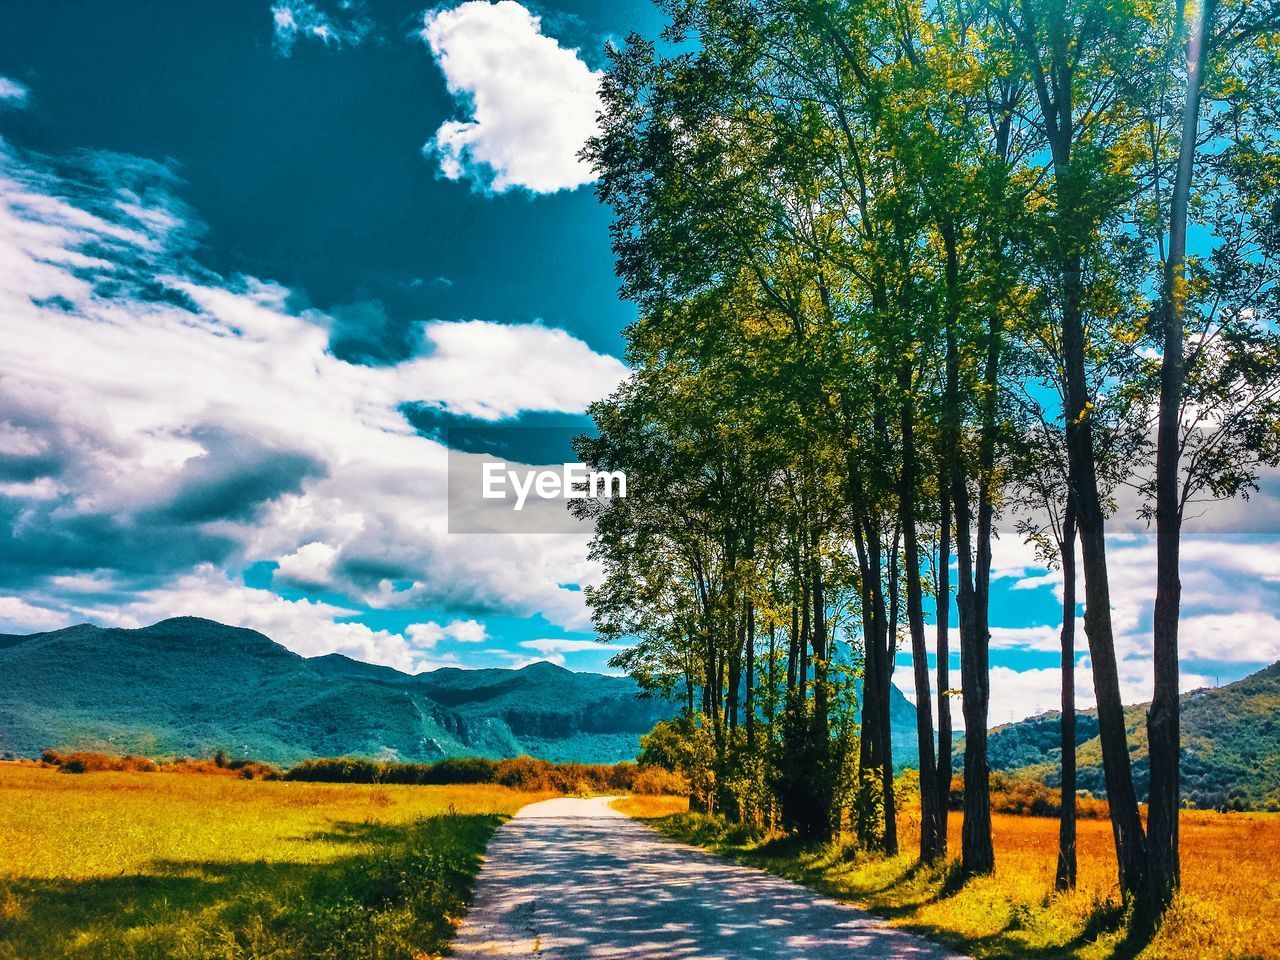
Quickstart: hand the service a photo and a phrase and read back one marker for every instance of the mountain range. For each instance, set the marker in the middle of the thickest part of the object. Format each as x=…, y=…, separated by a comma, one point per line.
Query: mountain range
x=187, y=687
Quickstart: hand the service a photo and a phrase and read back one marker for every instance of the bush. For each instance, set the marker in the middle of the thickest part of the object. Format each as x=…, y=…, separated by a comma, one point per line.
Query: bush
x=1030, y=798
x=90, y=762
x=523, y=773
x=655, y=781
x=518, y=773
x=335, y=770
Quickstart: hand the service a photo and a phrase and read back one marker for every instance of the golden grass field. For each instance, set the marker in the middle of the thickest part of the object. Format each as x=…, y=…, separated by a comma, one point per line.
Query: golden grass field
x=125, y=866
x=1229, y=908
x=135, y=866
x=644, y=807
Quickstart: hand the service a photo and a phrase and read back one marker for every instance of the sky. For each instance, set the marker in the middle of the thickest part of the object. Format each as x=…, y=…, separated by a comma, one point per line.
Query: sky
x=254, y=255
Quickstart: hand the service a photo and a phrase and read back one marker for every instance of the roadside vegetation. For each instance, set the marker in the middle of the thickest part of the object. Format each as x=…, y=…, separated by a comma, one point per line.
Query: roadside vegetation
x=1225, y=911
x=126, y=865
x=528, y=774
x=651, y=807
x=911, y=277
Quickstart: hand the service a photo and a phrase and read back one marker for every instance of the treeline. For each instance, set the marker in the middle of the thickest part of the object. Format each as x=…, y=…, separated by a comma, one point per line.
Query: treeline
x=93, y=761
x=905, y=271
x=519, y=773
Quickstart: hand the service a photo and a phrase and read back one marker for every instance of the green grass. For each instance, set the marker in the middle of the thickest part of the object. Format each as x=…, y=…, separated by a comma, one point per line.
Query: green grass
x=140, y=866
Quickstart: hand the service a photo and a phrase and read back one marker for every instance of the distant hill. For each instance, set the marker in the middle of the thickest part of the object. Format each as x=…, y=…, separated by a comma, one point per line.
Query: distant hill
x=188, y=686
x=1230, y=745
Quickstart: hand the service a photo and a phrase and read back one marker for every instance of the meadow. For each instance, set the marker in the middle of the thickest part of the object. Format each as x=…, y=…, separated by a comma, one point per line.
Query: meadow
x=1228, y=909
x=141, y=865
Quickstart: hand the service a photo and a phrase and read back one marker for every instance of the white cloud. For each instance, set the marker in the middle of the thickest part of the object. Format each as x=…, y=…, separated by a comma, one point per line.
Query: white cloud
x=307, y=627
x=562, y=645
x=532, y=102
x=292, y=20
x=212, y=424
x=310, y=565
x=18, y=616
x=509, y=361
x=424, y=636
x=13, y=93
x=1230, y=595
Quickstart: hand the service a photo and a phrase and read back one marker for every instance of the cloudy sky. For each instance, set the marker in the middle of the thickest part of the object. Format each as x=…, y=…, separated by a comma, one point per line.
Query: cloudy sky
x=253, y=256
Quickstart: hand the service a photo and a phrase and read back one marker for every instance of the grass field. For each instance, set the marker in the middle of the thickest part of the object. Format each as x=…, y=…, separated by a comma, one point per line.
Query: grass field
x=1229, y=908
x=651, y=807
x=108, y=866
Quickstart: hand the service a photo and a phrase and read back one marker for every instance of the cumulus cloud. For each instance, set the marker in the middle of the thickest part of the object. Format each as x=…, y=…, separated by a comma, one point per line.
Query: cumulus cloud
x=12, y=93
x=307, y=627
x=311, y=565
x=18, y=616
x=292, y=20
x=427, y=635
x=1229, y=625
x=532, y=103
x=157, y=419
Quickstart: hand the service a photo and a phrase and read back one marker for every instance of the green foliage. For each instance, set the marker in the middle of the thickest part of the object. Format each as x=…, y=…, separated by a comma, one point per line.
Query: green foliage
x=684, y=746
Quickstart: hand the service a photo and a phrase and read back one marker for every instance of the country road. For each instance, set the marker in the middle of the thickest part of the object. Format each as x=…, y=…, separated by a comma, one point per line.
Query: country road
x=575, y=879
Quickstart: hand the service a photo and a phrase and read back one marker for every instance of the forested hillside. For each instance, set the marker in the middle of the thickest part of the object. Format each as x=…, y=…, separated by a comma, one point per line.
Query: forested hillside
x=1230, y=745
x=189, y=686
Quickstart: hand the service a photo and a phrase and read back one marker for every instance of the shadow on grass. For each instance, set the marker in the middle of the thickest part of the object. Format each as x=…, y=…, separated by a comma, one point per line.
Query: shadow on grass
x=393, y=893
x=898, y=893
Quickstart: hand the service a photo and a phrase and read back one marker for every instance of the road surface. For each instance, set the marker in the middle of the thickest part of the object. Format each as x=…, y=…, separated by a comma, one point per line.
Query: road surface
x=573, y=879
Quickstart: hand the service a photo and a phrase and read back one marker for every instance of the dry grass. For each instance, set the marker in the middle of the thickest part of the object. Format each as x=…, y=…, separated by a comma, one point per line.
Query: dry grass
x=1228, y=909
x=134, y=865
x=651, y=807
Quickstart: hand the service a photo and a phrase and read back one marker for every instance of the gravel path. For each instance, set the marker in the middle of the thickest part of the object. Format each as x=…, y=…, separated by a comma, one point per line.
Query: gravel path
x=575, y=879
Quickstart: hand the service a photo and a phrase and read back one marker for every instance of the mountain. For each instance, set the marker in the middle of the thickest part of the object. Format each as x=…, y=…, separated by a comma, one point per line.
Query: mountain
x=1230, y=745
x=188, y=686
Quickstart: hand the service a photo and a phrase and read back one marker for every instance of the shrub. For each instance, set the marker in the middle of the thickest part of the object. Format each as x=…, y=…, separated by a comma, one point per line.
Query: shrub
x=335, y=770
x=654, y=781
x=1031, y=798
x=86, y=761
x=524, y=773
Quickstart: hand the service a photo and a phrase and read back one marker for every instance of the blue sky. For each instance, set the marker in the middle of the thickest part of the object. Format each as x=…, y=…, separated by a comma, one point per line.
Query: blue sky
x=253, y=255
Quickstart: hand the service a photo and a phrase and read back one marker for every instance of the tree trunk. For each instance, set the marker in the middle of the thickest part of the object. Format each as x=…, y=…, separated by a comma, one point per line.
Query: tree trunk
x=887, y=662
x=871, y=831
x=930, y=843
x=942, y=606
x=1126, y=824
x=1054, y=88
x=1163, y=721
x=977, y=768
x=976, y=854
x=821, y=732
x=1065, y=878
x=751, y=678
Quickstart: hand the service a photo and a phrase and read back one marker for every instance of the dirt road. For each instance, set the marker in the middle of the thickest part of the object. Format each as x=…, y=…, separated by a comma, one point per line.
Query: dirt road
x=575, y=879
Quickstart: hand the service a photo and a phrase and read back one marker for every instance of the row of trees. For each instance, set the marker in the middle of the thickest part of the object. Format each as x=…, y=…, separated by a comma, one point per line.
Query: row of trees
x=901, y=269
